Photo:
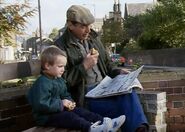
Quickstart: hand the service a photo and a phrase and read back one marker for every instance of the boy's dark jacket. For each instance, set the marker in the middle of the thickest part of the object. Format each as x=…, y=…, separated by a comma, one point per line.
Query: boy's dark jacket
x=45, y=97
x=75, y=74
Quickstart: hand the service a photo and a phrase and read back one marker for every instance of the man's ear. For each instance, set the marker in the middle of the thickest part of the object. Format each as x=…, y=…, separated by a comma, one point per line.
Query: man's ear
x=70, y=25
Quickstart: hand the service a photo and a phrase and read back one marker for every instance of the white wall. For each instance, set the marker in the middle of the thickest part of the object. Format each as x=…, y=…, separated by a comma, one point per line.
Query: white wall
x=7, y=53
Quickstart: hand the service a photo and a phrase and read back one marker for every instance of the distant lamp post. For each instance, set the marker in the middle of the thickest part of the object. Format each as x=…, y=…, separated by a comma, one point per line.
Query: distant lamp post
x=113, y=45
x=30, y=50
x=40, y=25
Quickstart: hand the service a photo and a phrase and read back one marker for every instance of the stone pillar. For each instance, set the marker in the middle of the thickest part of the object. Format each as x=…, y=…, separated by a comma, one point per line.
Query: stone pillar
x=154, y=104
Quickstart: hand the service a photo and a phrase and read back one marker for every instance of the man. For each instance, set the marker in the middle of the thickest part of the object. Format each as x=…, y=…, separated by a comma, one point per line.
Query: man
x=85, y=70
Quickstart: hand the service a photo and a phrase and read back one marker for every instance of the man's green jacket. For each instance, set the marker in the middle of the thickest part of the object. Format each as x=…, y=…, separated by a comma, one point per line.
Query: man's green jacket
x=75, y=73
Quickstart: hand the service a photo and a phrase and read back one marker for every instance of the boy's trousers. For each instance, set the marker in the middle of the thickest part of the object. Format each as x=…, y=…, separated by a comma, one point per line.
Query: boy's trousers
x=77, y=119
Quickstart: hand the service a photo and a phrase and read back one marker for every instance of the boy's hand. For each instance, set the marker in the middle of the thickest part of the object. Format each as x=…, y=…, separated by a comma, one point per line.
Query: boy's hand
x=66, y=102
x=69, y=104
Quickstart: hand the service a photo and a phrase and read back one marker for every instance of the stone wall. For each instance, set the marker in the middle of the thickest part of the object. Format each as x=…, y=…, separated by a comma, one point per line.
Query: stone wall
x=163, y=57
x=154, y=105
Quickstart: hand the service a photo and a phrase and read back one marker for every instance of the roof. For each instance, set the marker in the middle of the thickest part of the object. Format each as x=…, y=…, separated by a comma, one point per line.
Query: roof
x=136, y=8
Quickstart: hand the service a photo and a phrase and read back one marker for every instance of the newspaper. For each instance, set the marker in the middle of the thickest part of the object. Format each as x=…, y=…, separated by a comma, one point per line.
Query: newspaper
x=121, y=84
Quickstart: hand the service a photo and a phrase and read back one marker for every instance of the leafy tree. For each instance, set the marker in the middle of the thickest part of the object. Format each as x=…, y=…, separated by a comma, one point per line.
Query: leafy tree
x=13, y=19
x=172, y=32
x=161, y=27
x=133, y=26
x=109, y=32
x=113, y=33
x=53, y=33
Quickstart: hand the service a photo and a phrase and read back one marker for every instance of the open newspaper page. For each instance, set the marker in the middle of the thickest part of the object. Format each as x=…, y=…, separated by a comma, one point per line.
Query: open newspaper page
x=121, y=84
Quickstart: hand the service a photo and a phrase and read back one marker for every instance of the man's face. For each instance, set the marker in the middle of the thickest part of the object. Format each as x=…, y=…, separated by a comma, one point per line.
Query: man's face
x=81, y=31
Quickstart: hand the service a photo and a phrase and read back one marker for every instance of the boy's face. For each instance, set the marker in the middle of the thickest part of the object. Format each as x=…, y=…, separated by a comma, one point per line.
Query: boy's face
x=57, y=69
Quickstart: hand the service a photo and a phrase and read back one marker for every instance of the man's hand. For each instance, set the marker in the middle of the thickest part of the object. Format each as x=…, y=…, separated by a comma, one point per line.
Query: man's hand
x=90, y=60
x=124, y=71
x=93, y=51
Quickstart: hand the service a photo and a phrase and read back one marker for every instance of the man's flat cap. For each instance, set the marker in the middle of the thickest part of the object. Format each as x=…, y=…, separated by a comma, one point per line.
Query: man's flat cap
x=80, y=14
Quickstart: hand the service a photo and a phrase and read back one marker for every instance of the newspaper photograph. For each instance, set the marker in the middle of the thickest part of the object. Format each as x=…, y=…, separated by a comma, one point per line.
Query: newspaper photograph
x=121, y=84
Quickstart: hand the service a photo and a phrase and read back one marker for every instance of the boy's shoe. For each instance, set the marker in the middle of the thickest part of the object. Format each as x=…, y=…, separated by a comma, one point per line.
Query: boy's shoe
x=98, y=128
x=117, y=122
x=108, y=123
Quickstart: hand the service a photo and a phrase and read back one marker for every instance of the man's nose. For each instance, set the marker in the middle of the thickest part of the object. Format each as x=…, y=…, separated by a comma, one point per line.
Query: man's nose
x=88, y=29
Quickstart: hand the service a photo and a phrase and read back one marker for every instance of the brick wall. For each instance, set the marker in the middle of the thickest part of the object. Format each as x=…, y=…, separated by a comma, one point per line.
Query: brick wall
x=174, y=86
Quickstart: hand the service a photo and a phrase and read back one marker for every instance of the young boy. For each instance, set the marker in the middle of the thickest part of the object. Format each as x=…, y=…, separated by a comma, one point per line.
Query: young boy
x=53, y=106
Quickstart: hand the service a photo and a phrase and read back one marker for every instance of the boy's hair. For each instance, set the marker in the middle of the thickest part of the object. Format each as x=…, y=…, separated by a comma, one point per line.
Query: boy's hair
x=49, y=55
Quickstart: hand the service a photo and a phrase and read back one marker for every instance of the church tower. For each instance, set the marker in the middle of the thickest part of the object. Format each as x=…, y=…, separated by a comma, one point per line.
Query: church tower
x=117, y=10
x=115, y=15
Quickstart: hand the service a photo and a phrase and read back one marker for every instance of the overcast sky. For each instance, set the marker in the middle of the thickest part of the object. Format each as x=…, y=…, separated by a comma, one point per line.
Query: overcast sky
x=53, y=12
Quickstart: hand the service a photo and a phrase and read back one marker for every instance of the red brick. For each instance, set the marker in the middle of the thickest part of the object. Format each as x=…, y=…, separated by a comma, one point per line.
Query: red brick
x=169, y=90
x=149, y=89
x=179, y=119
x=176, y=127
x=169, y=104
x=163, y=84
x=174, y=83
x=177, y=112
x=149, y=84
x=177, y=104
x=178, y=97
x=170, y=120
x=157, y=89
x=184, y=90
x=161, y=89
x=177, y=90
